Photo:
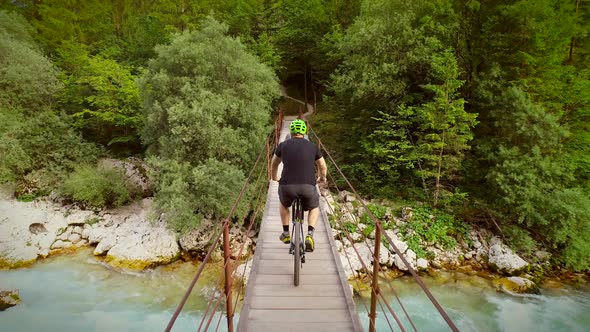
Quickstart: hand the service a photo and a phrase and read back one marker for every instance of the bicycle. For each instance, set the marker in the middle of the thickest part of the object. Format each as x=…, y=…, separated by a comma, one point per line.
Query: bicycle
x=297, y=248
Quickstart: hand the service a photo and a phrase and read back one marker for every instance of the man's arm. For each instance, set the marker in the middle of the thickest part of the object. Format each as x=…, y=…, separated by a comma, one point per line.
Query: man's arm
x=274, y=166
x=323, y=169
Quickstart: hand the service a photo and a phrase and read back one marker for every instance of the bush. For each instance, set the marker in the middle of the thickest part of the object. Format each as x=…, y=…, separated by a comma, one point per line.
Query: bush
x=97, y=187
x=39, y=151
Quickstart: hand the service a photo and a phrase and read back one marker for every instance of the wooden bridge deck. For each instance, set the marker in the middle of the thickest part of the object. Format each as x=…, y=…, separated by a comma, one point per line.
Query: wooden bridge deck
x=322, y=301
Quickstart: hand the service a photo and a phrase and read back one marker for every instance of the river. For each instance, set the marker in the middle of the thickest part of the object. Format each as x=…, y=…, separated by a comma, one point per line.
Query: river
x=75, y=292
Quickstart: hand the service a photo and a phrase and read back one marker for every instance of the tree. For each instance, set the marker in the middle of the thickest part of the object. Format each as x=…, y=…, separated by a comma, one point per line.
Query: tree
x=28, y=80
x=207, y=109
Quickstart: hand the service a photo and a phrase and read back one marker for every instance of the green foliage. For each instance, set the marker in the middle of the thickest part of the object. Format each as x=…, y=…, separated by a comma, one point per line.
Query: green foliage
x=207, y=108
x=28, y=79
x=39, y=150
x=520, y=239
x=97, y=187
x=432, y=227
x=102, y=97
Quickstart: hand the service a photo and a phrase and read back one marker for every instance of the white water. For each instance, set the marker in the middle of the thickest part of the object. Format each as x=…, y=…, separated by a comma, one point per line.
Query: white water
x=77, y=293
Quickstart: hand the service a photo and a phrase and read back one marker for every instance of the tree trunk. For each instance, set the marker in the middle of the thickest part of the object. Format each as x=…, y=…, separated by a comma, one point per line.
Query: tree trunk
x=305, y=83
x=570, y=58
x=438, y=173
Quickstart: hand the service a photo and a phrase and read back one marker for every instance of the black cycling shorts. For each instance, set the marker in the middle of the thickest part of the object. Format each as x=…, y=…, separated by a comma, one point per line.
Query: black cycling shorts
x=310, y=199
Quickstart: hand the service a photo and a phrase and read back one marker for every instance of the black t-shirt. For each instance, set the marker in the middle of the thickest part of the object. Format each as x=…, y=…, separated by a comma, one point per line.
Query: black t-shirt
x=298, y=156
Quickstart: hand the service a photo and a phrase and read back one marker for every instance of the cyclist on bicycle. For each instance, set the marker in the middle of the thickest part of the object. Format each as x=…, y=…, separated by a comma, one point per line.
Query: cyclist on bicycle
x=299, y=156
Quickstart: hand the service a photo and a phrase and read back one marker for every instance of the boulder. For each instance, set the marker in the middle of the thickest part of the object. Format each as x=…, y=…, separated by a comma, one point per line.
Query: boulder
x=140, y=245
x=74, y=238
x=135, y=171
x=8, y=299
x=79, y=217
x=197, y=240
x=502, y=259
x=421, y=264
x=243, y=271
x=516, y=285
x=105, y=245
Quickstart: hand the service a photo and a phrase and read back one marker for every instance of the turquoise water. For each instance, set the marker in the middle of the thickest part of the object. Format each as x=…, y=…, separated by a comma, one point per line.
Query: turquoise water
x=78, y=293
x=474, y=305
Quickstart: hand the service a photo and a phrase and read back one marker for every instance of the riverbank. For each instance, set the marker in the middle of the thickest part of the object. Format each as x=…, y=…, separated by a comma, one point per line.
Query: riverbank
x=78, y=292
x=126, y=239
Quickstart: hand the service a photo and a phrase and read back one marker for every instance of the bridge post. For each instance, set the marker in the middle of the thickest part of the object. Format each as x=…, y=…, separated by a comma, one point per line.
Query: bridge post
x=375, y=283
x=228, y=277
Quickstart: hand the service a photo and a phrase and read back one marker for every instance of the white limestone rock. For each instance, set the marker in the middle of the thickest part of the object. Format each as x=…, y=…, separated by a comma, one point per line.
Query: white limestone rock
x=421, y=264
x=503, y=259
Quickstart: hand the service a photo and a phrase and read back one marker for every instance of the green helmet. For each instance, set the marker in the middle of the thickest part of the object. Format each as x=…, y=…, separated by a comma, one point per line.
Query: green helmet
x=298, y=127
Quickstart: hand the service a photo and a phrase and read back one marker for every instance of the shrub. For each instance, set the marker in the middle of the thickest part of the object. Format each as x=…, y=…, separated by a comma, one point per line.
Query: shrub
x=97, y=187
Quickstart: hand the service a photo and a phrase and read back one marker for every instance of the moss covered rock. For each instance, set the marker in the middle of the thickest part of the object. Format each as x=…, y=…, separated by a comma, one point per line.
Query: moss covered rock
x=516, y=285
x=9, y=299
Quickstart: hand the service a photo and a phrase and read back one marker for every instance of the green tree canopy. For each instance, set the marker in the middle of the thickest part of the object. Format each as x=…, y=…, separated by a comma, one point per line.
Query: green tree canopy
x=207, y=107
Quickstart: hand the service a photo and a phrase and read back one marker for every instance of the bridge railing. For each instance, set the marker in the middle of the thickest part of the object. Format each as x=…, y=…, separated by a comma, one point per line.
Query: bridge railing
x=377, y=296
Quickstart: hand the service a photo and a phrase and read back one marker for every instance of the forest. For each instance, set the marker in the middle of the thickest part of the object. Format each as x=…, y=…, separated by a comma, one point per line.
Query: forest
x=478, y=111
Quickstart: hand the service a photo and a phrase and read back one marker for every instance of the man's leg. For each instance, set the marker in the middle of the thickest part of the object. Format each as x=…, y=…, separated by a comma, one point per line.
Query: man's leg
x=284, y=212
x=312, y=216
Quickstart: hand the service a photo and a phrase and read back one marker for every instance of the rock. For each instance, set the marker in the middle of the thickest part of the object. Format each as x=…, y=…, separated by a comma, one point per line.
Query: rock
x=516, y=285
x=502, y=259
x=542, y=255
x=410, y=257
x=8, y=299
x=468, y=255
x=75, y=238
x=37, y=228
x=476, y=244
x=65, y=234
x=356, y=237
x=243, y=271
x=140, y=245
x=59, y=244
x=345, y=196
x=197, y=240
x=135, y=171
x=352, y=262
x=407, y=213
x=105, y=245
x=422, y=264
x=44, y=244
x=79, y=217
x=339, y=245
x=237, y=246
x=77, y=230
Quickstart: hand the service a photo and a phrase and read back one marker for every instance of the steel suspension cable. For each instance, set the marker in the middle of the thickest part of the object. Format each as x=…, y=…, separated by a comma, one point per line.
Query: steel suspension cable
x=408, y=265
x=207, y=257
x=260, y=185
x=369, y=272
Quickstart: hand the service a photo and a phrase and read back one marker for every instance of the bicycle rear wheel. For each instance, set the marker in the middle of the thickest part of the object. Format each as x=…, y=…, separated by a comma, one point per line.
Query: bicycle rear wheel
x=296, y=254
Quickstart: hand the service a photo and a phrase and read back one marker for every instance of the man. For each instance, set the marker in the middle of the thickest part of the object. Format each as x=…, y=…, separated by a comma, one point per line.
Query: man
x=299, y=156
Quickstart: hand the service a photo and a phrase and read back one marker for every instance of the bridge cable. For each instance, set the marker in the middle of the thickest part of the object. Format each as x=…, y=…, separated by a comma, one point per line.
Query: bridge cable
x=207, y=257
x=260, y=186
x=369, y=247
x=378, y=224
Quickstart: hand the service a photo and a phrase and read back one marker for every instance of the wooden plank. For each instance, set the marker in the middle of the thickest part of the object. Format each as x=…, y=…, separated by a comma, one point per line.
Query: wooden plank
x=299, y=315
x=285, y=250
x=289, y=262
x=312, y=255
x=301, y=290
x=288, y=270
x=286, y=279
x=307, y=302
x=299, y=327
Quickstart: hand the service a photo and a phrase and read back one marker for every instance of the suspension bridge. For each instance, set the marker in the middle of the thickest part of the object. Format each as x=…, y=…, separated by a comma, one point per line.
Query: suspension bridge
x=324, y=300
